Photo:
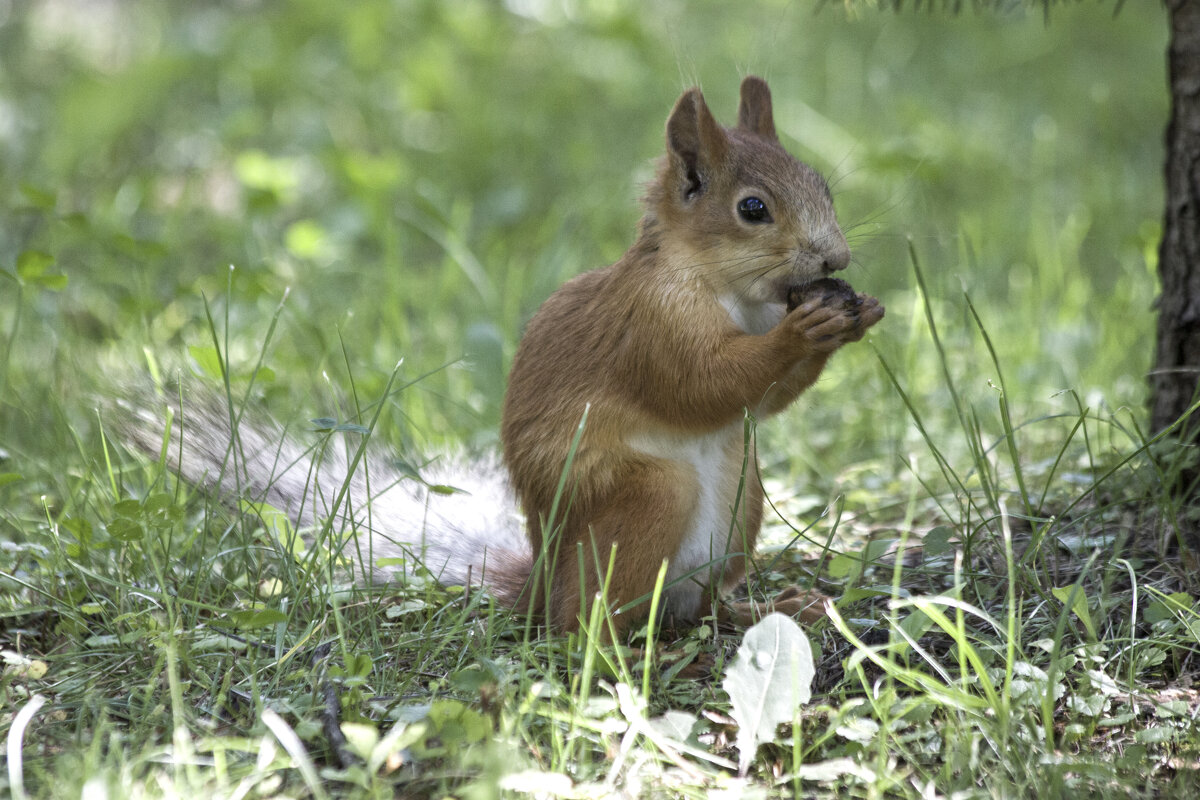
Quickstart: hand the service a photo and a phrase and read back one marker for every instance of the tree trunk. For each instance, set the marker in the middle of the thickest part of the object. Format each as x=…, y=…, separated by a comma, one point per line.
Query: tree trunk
x=1174, y=381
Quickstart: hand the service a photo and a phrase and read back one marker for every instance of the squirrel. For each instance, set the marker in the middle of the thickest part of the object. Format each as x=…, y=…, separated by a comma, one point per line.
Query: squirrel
x=623, y=429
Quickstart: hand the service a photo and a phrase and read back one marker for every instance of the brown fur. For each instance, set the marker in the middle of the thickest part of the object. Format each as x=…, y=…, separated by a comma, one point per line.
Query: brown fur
x=650, y=348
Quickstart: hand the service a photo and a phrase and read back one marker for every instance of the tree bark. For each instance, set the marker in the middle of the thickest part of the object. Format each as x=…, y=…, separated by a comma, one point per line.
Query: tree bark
x=1176, y=376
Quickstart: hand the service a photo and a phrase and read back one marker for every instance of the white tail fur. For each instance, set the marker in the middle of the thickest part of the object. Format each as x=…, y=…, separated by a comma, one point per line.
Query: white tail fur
x=471, y=536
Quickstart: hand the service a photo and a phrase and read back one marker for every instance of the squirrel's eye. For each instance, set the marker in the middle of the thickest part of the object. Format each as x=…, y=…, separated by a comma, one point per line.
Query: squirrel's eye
x=752, y=209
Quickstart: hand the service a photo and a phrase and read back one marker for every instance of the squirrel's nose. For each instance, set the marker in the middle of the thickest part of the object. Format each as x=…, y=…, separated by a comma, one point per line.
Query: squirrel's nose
x=838, y=257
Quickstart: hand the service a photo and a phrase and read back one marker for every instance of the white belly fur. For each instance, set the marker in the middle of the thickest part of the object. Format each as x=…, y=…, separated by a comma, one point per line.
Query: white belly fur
x=716, y=460
x=755, y=317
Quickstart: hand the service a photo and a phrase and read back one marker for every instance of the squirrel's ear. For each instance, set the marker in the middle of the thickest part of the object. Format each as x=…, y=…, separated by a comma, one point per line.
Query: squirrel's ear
x=754, y=112
x=696, y=143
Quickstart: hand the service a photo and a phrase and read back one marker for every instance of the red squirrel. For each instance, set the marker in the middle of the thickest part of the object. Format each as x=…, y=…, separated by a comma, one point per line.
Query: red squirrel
x=715, y=311
x=667, y=349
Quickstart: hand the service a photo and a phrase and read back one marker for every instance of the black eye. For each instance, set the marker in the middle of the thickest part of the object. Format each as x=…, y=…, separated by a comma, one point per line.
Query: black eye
x=752, y=209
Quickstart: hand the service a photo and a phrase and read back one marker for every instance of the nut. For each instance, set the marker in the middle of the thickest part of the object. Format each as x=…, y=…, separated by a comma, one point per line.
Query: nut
x=831, y=291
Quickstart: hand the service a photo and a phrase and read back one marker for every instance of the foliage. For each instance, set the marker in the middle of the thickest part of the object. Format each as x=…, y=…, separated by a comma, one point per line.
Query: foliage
x=956, y=6
x=307, y=194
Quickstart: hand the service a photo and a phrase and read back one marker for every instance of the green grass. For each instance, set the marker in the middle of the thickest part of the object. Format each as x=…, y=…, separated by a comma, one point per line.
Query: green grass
x=403, y=183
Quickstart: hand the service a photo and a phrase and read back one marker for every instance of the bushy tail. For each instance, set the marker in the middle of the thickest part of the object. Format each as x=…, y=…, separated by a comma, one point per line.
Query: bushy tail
x=472, y=535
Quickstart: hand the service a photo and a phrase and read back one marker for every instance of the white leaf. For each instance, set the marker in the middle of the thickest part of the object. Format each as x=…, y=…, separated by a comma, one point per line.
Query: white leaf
x=834, y=768
x=770, y=678
x=678, y=726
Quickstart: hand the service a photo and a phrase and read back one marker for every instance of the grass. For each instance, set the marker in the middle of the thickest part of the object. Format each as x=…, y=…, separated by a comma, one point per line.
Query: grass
x=1016, y=616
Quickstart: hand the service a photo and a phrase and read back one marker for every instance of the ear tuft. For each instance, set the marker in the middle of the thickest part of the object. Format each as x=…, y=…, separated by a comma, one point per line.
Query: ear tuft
x=754, y=111
x=696, y=143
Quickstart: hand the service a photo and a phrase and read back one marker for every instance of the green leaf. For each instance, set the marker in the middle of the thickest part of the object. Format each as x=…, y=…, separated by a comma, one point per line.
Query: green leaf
x=1078, y=606
x=360, y=737
x=207, y=359
x=10, y=477
x=257, y=617
x=770, y=678
x=128, y=508
x=856, y=593
x=458, y=724
x=359, y=664
x=407, y=470
x=1171, y=708
x=32, y=264
x=159, y=503
x=842, y=565
x=1154, y=735
x=916, y=624
x=126, y=530
x=277, y=522
x=937, y=541
x=80, y=528
x=277, y=177
x=55, y=283
x=1168, y=607
x=306, y=239
x=1116, y=720
x=1091, y=705
x=38, y=198
x=31, y=270
x=849, y=566
x=101, y=641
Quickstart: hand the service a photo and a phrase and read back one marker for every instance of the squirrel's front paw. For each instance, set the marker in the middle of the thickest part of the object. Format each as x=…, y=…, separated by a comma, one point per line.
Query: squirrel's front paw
x=827, y=320
x=869, y=311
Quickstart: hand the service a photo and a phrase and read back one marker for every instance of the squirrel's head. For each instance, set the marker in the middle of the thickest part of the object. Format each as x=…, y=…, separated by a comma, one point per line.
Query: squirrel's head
x=756, y=220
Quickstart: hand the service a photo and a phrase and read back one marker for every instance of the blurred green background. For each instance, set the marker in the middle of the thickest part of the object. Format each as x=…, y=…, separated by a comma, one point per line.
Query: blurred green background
x=421, y=175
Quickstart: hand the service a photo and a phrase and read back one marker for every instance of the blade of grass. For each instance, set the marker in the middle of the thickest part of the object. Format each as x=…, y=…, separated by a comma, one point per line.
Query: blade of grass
x=1005, y=418
x=15, y=745
x=959, y=408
